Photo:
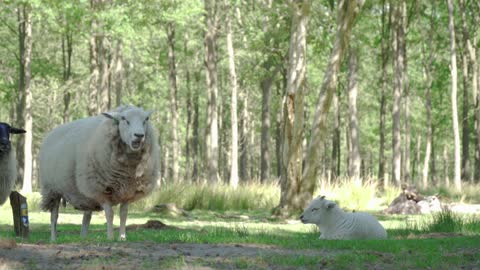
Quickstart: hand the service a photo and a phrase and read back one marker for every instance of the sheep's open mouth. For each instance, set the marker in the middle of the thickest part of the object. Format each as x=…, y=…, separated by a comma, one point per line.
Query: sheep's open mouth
x=136, y=145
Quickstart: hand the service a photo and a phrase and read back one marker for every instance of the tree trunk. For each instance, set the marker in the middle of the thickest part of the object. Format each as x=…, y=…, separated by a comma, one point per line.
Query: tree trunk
x=428, y=76
x=67, y=51
x=336, y=159
x=445, y=166
x=94, y=70
x=293, y=109
x=345, y=18
x=196, y=130
x=233, y=106
x=118, y=73
x=397, y=99
x=383, y=110
x=21, y=95
x=172, y=79
x=406, y=90
x=104, y=63
x=355, y=160
x=453, y=70
x=243, y=137
x=212, y=90
x=468, y=57
x=27, y=56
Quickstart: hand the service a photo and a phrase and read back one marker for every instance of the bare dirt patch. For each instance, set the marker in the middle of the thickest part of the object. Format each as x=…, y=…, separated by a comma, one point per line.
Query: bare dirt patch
x=144, y=255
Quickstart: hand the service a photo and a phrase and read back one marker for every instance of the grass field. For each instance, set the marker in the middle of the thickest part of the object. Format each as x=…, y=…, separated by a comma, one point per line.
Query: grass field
x=247, y=238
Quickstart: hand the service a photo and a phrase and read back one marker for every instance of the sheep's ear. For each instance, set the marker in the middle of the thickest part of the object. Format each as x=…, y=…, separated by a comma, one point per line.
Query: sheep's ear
x=149, y=112
x=17, y=130
x=322, y=197
x=111, y=116
x=330, y=205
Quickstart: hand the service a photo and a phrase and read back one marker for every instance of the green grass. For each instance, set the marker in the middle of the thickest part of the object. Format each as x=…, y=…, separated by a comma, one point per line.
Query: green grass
x=222, y=215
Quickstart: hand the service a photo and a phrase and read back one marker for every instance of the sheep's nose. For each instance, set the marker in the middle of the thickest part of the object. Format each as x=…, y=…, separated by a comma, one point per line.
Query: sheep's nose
x=301, y=217
x=138, y=135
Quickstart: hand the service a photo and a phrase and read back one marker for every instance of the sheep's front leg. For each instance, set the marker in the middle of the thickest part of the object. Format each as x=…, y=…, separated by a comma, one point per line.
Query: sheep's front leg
x=107, y=207
x=53, y=220
x=87, y=216
x=123, y=221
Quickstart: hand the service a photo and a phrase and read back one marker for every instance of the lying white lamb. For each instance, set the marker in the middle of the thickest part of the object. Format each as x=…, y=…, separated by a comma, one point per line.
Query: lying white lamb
x=8, y=161
x=334, y=223
x=98, y=162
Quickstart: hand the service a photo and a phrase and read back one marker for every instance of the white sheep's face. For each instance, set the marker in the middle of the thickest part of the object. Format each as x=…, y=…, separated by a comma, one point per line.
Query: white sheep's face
x=317, y=210
x=132, y=125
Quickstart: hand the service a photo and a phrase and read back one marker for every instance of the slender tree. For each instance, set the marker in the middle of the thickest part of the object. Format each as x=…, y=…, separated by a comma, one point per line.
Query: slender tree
x=94, y=70
x=293, y=115
x=383, y=89
x=233, y=85
x=397, y=89
x=453, y=71
x=24, y=108
x=355, y=160
x=172, y=78
x=347, y=11
x=211, y=21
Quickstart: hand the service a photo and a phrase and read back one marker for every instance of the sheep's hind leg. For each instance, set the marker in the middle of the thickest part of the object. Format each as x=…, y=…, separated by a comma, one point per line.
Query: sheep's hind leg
x=54, y=219
x=107, y=207
x=123, y=221
x=87, y=216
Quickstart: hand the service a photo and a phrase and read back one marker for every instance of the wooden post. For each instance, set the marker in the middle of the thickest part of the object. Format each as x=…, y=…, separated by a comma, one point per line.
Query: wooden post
x=20, y=214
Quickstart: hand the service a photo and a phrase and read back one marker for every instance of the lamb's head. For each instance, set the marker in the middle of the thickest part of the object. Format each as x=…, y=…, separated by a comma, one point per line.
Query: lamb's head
x=5, y=131
x=132, y=126
x=317, y=211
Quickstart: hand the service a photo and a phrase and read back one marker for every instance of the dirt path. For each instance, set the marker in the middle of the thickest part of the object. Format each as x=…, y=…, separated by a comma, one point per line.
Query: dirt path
x=145, y=255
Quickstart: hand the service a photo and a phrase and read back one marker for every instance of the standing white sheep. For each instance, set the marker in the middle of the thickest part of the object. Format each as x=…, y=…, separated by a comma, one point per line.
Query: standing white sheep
x=8, y=161
x=98, y=162
x=334, y=223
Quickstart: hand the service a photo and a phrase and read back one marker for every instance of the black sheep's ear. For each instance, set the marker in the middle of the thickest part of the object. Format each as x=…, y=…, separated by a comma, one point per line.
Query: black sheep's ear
x=115, y=120
x=14, y=130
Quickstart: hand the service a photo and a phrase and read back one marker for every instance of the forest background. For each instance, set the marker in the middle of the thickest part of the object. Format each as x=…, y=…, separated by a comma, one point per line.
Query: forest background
x=238, y=85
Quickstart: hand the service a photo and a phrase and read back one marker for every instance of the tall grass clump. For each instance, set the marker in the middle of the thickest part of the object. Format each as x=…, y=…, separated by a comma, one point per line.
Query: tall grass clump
x=351, y=195
x=218, y=197
x=445, y=221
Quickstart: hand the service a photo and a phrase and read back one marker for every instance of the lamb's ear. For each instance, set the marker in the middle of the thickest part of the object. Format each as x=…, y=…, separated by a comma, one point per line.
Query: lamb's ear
x=149, y=112
x=331, y=205
x=111, y=116
x=17, y=130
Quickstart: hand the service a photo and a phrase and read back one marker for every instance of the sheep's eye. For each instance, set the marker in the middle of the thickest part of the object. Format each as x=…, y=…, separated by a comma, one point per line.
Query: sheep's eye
x=125, y=119
x=314, y=209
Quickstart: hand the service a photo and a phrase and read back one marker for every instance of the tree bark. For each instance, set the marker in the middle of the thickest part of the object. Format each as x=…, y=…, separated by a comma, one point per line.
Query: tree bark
x=67, y=51
x=428, y=76
x=233, y=84
x=453, y=70
x=397, y=99
x=468, y=59
x=346, y=15
x=119, y=73
x=27, y=57
x=355, y=160
x=293, y=109
x=405, y=88
x=336, y=138
x=172, y=79
x=94, y=70
x=383, y=110
x=212, y=89
x=21, y=95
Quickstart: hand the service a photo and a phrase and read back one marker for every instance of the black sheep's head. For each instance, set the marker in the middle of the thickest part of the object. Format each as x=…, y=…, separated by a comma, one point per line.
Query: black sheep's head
x=5, y=131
